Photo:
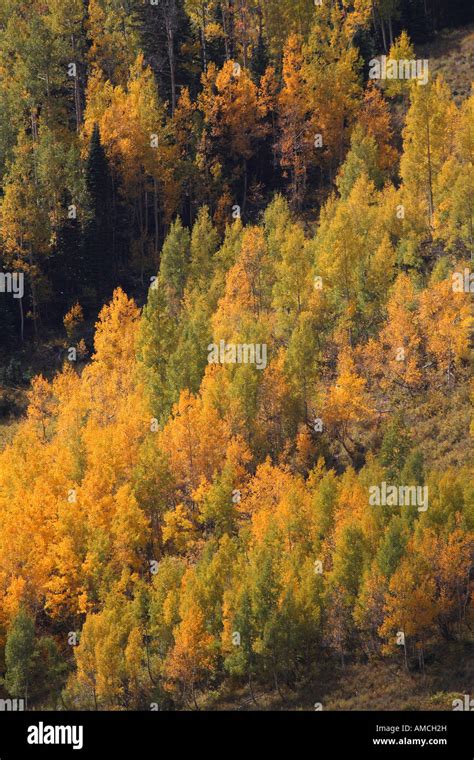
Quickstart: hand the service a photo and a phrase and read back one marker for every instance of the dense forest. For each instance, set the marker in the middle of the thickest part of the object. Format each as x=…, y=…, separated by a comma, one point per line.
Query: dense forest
x=235, y=353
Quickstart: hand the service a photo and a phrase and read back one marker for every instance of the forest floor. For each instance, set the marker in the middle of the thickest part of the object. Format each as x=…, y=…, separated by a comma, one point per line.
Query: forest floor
x=375, y=685
x=451, y=54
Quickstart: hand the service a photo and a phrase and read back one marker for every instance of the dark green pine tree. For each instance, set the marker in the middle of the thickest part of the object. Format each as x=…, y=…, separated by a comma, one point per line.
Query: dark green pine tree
x=9, y=311
x=395, y=448
x=99, y=265
x=163, y=29
x=175, y=258
x=260, y=58
x=67, y=268
x=19, y=656
x=392, y=546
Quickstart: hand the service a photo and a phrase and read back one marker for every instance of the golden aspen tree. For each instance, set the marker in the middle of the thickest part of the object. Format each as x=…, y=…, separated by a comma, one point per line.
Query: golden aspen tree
x=234, y=115
x=396, y=355
x=192, y=656
x=427, y=144
x=295, y=146
x=446, y=321
x=347, y=405
x=374, y=116
x=401, y=50
x=330, y=71
x=410, y=608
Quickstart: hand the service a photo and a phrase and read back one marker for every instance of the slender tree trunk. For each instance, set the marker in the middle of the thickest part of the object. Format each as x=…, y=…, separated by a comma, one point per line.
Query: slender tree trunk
x=231, y=29
x=193, y=692
x=277, y=685
x=251, y=689
x=155, y=214
x=114, y=225
x=421, y=659
x=430, y=173
x=384, y=38
x=244, y=202
x=77, y=90
x=203, y=40
x=33, y=295
x=374, y=17
x=226, y=37
x=34, y=124
x=22, y=319
x=170, y=46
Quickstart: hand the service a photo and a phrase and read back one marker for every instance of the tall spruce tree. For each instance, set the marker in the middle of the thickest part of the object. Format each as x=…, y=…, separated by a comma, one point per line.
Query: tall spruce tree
x=98, y=261
x=175, y=259
x=19, y=655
